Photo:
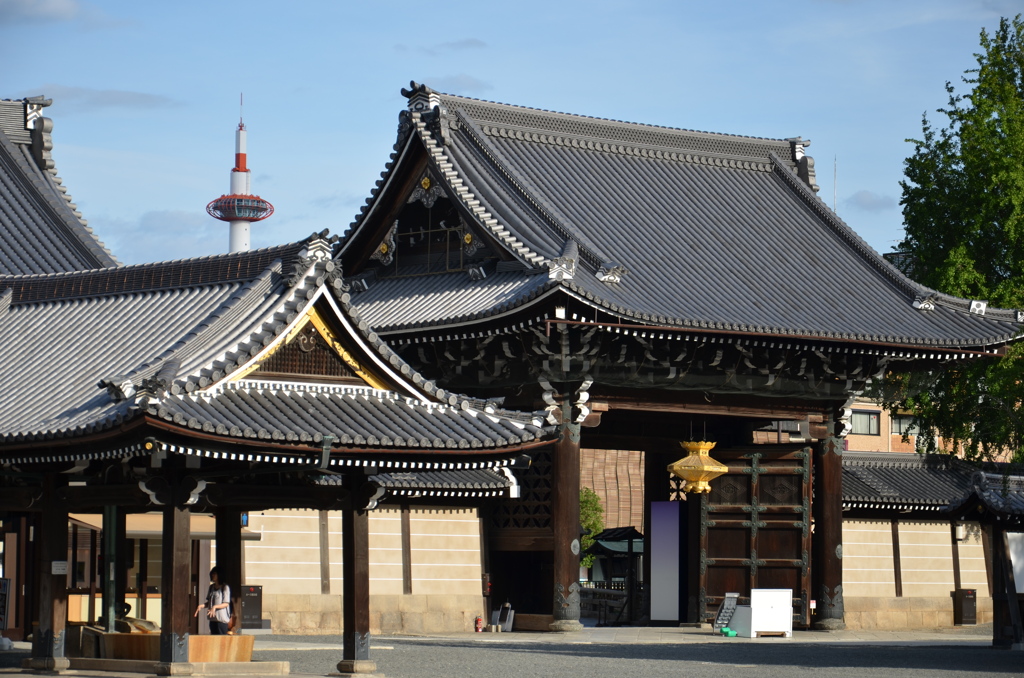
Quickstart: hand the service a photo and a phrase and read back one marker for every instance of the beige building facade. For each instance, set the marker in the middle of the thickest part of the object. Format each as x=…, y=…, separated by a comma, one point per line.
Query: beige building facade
x=426, y=569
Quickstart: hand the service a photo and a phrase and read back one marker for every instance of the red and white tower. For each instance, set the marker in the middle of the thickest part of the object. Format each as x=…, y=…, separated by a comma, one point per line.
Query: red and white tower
x=240, y=207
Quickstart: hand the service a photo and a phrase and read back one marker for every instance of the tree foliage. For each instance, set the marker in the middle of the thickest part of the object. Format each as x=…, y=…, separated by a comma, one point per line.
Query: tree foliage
x=963, y=209
x=592, y=519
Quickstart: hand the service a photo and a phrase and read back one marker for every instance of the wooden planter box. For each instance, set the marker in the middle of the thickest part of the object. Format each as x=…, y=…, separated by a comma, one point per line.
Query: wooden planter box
x=146, y=647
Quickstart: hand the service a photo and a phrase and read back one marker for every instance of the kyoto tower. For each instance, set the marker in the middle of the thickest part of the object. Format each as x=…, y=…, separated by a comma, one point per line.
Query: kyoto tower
x=240, y=207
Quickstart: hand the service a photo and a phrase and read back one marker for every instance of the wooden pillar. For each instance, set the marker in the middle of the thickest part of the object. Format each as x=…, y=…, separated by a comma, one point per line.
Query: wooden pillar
x=897, y=562
x=48, y=641
x=175, y=587
x=109, y=573
x=355, y=596
x=955, y=543
x=142, y=579
x=827, y=543
x=1007, y=628
x=565, y=523
x=228, y=533
x=325, y=552
x=122, y=557
x=94, y=539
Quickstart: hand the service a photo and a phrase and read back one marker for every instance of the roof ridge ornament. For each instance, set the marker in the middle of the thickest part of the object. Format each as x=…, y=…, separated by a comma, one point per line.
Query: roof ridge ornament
x=563, y=267
x=925, y=303
x=421, y=98
x=804, y=162
x=611, y=272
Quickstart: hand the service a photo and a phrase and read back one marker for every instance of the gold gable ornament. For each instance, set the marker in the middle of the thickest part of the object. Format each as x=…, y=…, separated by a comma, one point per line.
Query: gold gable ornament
x=697, y=468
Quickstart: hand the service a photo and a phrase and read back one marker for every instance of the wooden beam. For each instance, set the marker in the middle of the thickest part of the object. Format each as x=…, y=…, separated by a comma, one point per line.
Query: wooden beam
x=406, y=551
x=565, y=524
x=827, y=544
x=355, y=598
x=176, y=579
x=686, y=402
x=142, y=577
x=521, y=539
x=897, y=565
x=955, y=545
x=48, y=640
x=228, y=536
x=986, y=547
x=325, y=552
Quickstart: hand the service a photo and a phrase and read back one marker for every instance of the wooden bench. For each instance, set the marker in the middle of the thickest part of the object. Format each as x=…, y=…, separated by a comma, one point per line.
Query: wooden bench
x=146, y=647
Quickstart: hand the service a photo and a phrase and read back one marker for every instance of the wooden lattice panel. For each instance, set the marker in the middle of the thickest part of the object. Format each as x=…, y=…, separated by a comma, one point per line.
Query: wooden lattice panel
x=533, y=509
x=306, y=355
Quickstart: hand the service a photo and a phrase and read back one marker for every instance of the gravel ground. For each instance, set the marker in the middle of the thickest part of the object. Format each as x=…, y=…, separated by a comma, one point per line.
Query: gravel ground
x=401, y=657
x=631, y=653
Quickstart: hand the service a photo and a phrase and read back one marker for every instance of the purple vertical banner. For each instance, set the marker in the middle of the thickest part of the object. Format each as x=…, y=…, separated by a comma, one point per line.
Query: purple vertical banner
x=665, y=516
x=5, y=587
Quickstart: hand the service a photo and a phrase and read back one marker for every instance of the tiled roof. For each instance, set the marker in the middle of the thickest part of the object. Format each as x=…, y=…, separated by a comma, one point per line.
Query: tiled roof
x=999, y=494
x=712, y=231
x=494, y=480
x=83, y=352
x=355, y=416
x=902, y=480
x=396, y=303
x=41, y=230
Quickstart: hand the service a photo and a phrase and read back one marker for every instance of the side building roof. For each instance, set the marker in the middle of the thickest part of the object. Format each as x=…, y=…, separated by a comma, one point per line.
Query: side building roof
x=41, y=230
x=647, y=225
x=177, y=347
x=902, y=481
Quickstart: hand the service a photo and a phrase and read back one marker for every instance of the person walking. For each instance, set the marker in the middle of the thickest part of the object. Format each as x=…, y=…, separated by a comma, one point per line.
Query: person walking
x=218, y=605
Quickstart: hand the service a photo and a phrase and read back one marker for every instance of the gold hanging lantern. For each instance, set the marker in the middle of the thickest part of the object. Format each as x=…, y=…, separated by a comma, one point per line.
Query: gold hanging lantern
x=697, y=468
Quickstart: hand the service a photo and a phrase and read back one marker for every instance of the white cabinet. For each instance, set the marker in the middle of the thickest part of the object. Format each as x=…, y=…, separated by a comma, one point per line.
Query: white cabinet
x=770, y=612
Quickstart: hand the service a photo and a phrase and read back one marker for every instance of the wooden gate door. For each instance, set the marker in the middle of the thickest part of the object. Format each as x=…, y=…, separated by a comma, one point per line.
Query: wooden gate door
x=755, y=528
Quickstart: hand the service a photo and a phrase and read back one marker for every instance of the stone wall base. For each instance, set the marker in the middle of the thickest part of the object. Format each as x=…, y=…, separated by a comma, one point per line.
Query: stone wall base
x=894, y=614
x=309, y=614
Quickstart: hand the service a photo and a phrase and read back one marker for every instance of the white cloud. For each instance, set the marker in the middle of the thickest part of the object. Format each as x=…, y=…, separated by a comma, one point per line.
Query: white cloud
x=870, y=202
x=458, y=84
x=69, y=100
x=442, y=48
x=27, y=11
x=162, y=235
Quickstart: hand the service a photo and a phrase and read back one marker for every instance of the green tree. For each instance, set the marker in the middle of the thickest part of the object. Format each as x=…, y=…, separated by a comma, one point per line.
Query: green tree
x=591, y=518
x=963, y=209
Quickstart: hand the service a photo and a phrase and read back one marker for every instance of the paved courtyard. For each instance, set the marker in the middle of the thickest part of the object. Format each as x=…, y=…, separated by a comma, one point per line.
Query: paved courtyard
x=654, y=652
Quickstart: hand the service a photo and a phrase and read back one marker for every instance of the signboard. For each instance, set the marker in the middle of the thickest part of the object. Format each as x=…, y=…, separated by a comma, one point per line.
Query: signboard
x=252, y=607
x=58, y=567
x=5, y=587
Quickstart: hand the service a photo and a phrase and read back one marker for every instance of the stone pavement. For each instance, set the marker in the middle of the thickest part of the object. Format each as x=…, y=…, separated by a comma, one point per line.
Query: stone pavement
x=971, y=635
x=642, y=651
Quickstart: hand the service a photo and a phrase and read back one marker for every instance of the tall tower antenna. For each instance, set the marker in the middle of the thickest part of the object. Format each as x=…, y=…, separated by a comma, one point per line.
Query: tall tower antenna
x=240, y=207
x=835, y=177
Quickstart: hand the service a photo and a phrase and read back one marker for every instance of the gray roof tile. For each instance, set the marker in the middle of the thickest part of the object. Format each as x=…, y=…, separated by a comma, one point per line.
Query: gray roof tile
x=40, y=230
x=158, y=338
x=714, y=231
x=901, y=480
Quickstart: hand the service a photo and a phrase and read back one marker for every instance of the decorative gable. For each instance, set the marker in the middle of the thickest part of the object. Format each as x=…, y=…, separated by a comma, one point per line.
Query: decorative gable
x=308, y=355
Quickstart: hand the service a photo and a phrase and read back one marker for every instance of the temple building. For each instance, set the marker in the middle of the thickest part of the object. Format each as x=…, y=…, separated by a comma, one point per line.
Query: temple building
x=230, y=385
x=527, y=300
x=647, y=286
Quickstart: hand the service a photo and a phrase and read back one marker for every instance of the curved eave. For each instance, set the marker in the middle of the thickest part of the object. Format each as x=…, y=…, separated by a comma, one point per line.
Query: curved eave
x=386, y=185
x=647, y=322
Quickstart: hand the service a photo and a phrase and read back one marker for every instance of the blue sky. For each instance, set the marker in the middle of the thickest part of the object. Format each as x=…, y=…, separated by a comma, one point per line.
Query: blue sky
x=146, y=93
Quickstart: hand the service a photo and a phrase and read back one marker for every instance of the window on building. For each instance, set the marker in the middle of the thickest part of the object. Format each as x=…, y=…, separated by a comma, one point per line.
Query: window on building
x=902, y=425
x=865, y=423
